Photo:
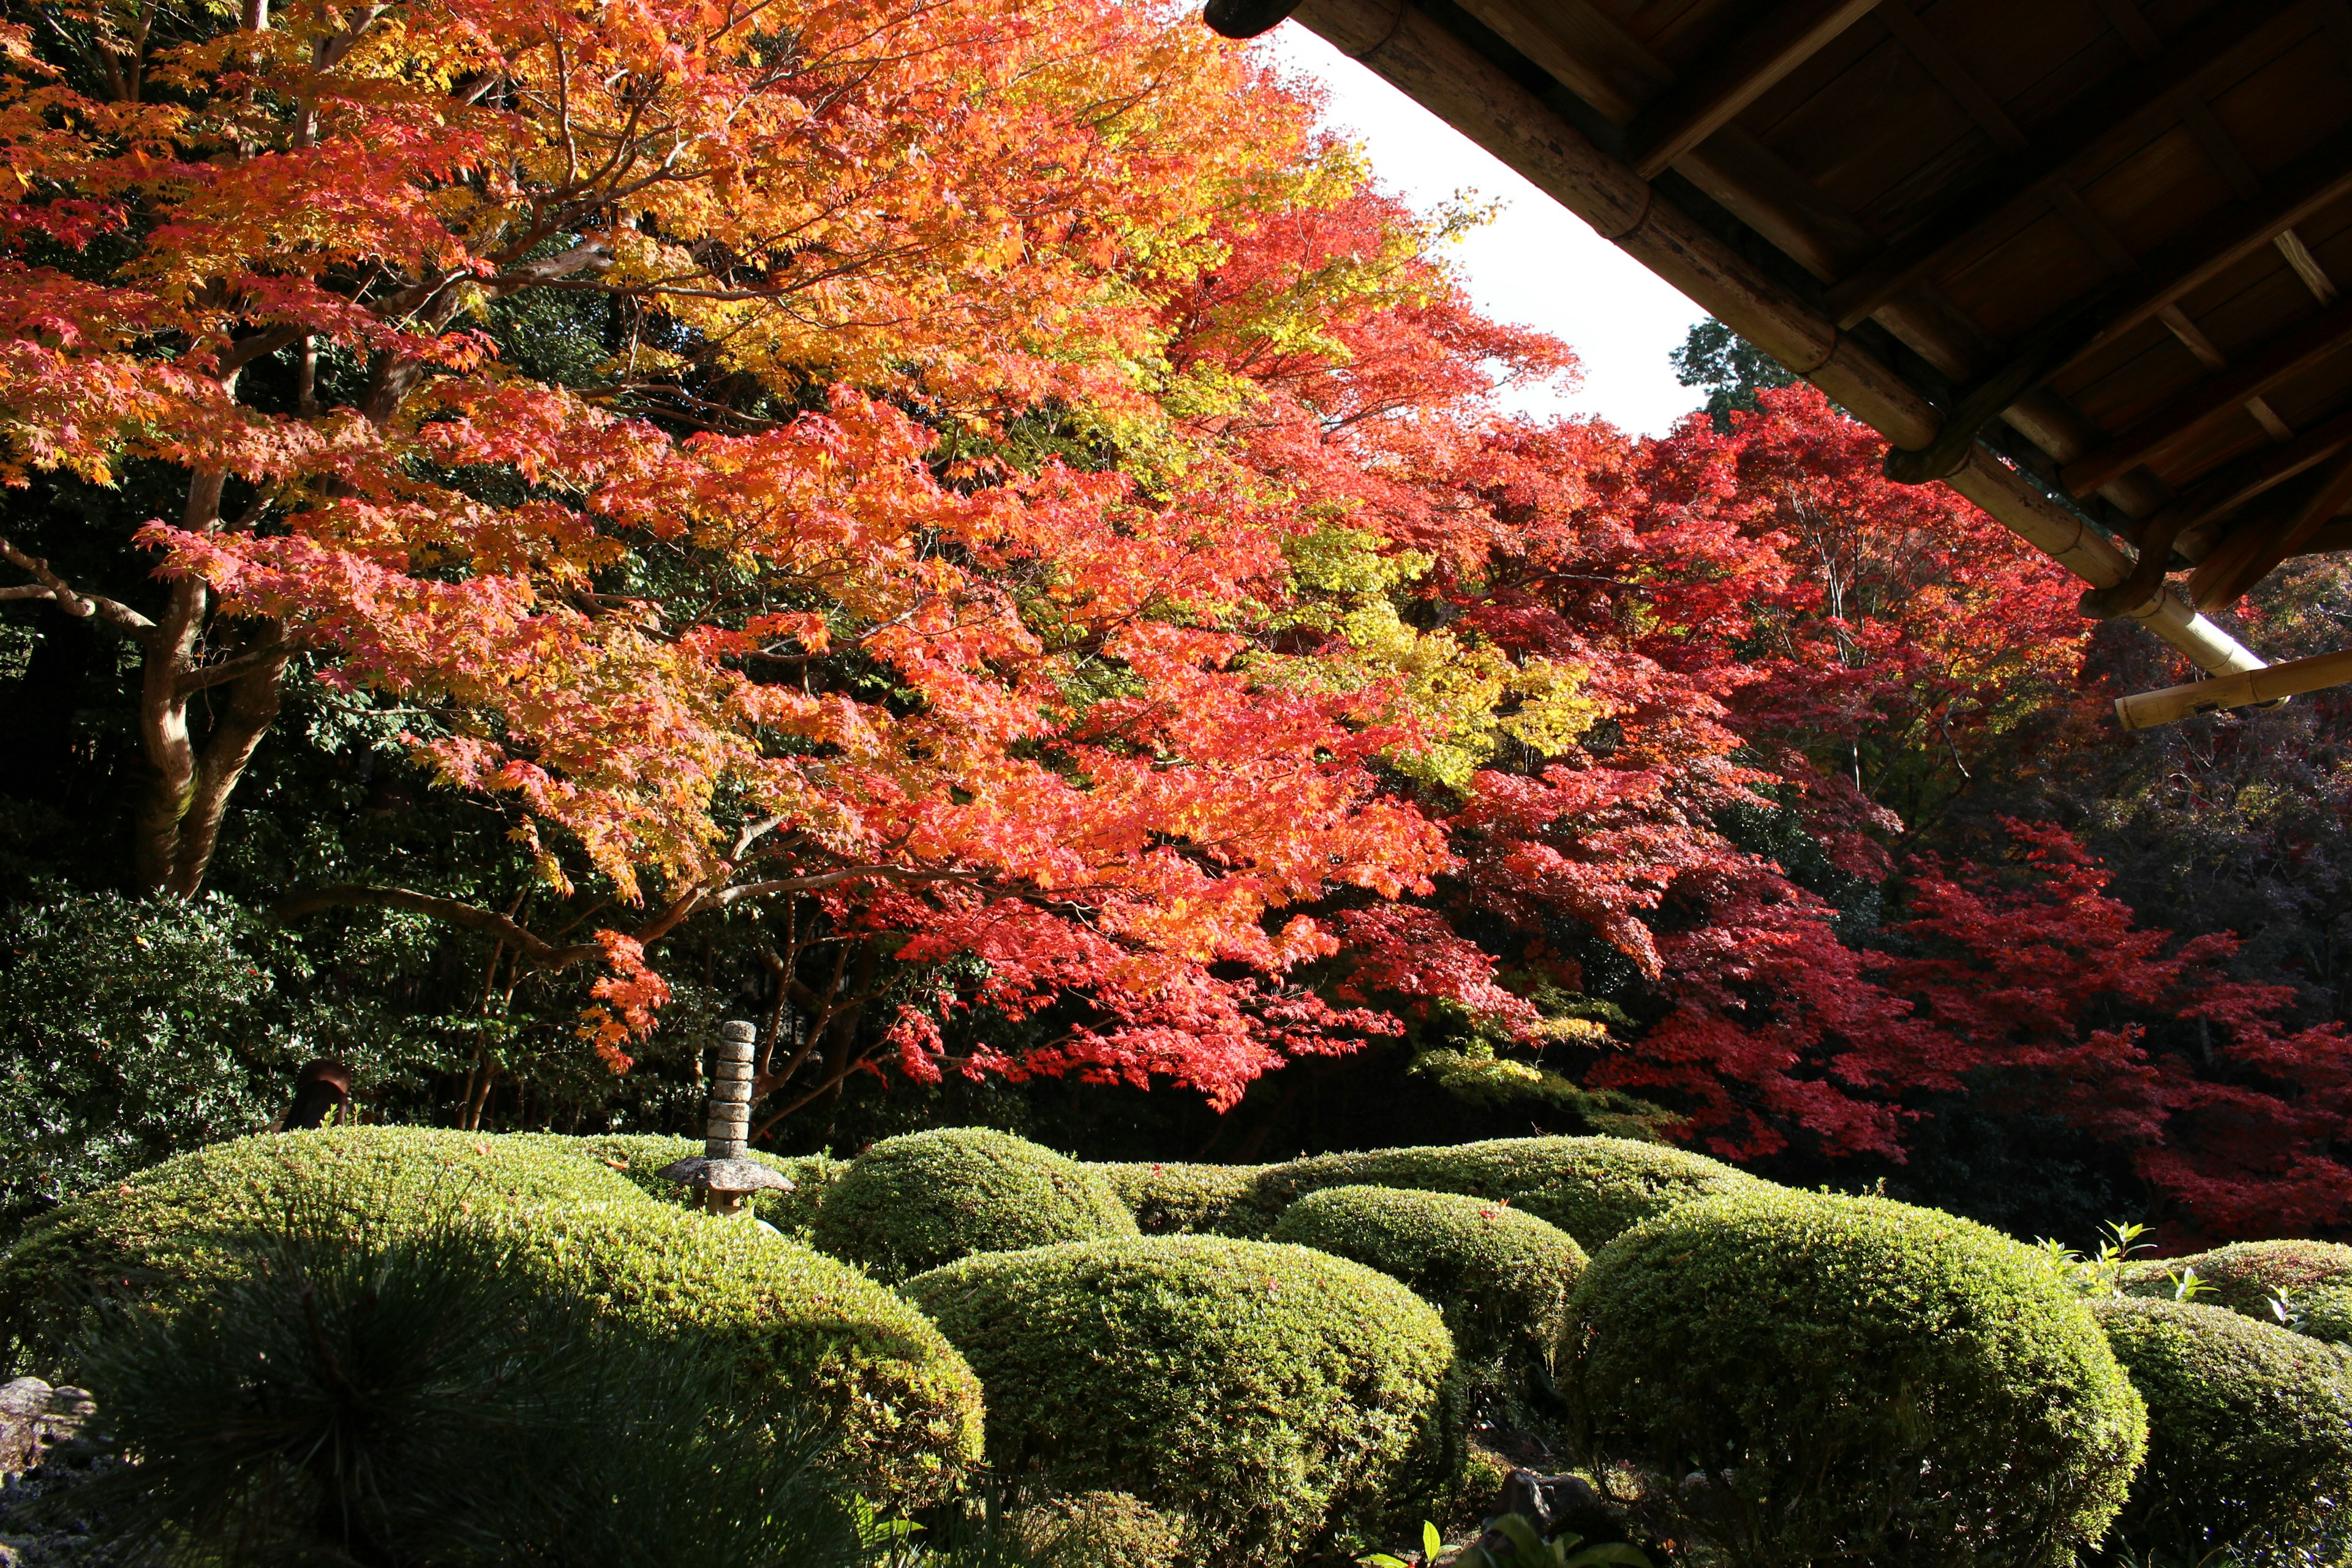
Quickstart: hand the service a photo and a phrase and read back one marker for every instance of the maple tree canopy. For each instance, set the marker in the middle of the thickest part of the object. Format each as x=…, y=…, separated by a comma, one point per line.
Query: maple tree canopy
x=987, y=492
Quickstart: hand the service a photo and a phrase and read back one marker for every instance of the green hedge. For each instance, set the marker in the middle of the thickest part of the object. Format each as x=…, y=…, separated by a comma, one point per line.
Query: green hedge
x=172, y=1222
x=1813, y=1380
x=2249, y=1436
x=2311, y=1277
x=1187, y=1200
x=1102, y=1529
x=909, y=1407
x=909, y=1404
x=916, y=1201
x=643, y=1156
x=1592, y=1188
x=1266, y=1392
x=1501, y=1278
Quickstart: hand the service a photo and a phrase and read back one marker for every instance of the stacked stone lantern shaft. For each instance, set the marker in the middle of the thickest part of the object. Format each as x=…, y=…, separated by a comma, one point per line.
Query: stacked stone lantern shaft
x=721, y=1175
x=726, y=1125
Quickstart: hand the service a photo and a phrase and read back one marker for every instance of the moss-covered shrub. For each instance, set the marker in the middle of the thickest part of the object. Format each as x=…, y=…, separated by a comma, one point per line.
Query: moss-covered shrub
x=1592, y=1188
x=2247, y=1276
x=1810, y=1380
x=643, y=1156
x=1501, y=1278
x=923, y=1199
x=1189, y=1200
x=908, y=1408
x=1266, y=1393
x=1102, y=1529
x=174, y=1222
x=908, y=1405
x=2250, y=1436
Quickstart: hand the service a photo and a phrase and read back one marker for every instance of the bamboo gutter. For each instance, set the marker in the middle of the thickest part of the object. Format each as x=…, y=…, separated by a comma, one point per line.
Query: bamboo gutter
x=1433, y=66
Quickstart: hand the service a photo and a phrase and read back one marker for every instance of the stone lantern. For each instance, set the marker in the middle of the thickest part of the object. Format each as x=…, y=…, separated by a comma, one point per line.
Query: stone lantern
x=720, y=1175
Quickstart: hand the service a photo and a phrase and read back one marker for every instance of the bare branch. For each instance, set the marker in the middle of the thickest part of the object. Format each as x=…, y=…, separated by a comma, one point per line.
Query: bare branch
x=539, y=951
x=46, y=584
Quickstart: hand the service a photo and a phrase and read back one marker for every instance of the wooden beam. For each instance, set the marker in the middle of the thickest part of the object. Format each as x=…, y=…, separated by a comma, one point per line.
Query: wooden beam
x=1583, y=49
x=2306, y=266
x=1955, y=78
x=2123, y=16
x=2226, y=237
x=2228, y=574
x=1976, y=216
x=2272, y=683
x=1734, y=76
x=2300, y=346
x=1438, y=69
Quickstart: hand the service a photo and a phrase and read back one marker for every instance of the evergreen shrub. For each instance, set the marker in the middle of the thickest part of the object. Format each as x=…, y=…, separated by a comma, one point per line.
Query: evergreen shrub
x=907, y=1406
x=841, y=1344
x=1268, y=1394
x=1801, y=1379
x=1500, y=1278
x=354, y=1395
x=1187, y=1200
x=183, y=1220
x=1102, y=1529
x=915, y=1202
x=643, y=1156
x=2250, y=1436
x=1592, y=1188
x=2246, y=1276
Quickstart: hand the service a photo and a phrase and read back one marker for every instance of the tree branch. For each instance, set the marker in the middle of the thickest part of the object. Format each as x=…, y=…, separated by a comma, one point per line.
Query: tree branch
x=47, y=584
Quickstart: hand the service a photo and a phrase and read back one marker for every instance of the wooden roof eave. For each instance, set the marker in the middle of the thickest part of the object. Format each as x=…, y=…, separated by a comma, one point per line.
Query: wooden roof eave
x=1438, y=67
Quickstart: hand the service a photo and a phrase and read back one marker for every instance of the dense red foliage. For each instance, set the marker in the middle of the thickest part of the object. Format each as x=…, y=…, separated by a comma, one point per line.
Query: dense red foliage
x=1049, y=532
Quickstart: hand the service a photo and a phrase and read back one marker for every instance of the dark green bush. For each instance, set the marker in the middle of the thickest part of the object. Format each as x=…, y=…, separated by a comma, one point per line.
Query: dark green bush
x=417, y=1398
x=1187, y=1200
x=2250, y=1436
x=1806, y=1381
x=177, y=1221
x=1266, y=1393
x=778, y=1310
x=916, y=1201
x=2247, y=1276
x=1501, y=1278
x=1592, y=1188
x=643, y=1156
x=907, y=1404
x=1102, y=1529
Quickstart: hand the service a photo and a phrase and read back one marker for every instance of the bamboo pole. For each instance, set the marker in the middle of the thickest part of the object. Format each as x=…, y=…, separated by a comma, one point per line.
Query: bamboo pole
x=2271, y=683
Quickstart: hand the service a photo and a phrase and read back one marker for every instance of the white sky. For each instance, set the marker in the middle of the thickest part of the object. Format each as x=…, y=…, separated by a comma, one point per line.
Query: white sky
x=1535, y=265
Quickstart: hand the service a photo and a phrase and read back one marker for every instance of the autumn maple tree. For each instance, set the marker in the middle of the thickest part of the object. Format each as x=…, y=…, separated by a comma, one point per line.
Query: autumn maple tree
x=985, y=505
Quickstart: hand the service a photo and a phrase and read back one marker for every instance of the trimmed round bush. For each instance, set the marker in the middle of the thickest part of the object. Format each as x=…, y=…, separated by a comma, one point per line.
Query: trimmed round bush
x=1592, y=1188
x=916, y=1201
x=176, y=1221
x=1264, y=1392
x=643, y=1156
x=1187, y=1200
x=2249, y=1436
x=907, y=1406
x=1803, y=1379
x=1500, y=1278
x=1102, y=1529
x=2245, y=1276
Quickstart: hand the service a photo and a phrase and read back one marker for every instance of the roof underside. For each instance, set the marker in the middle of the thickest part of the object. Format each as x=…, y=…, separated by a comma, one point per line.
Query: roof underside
x=2107, y=240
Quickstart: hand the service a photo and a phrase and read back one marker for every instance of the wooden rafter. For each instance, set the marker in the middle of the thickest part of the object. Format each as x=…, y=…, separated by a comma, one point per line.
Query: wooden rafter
x=1991, y=203
x=2102, y=190
x=1727, y=80
x=2196, y=408
x=2229, y=571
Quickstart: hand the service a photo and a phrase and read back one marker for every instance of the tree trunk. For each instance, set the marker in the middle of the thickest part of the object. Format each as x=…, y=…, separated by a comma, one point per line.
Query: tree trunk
x=841, y=1050
x=188, y=784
